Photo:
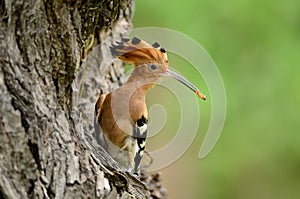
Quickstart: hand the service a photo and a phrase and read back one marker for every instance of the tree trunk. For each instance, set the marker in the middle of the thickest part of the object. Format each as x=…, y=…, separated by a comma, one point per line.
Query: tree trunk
x=48, y=88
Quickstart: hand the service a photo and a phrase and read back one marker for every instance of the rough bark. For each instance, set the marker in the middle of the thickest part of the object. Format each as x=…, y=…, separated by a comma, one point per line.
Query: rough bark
x=48, y=87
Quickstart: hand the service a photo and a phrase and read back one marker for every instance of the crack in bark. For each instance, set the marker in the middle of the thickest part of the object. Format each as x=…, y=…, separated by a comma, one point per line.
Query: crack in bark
x=34, y=149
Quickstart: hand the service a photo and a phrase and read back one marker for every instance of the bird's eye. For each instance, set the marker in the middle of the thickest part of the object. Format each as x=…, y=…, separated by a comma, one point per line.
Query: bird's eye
x=153, y=67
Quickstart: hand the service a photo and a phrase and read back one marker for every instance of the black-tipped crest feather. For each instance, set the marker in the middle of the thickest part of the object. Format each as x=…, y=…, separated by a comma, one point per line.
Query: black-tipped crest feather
x=137, y=52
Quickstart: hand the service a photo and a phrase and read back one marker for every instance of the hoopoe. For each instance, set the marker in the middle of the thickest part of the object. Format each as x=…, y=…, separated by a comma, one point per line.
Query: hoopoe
x=121, y=116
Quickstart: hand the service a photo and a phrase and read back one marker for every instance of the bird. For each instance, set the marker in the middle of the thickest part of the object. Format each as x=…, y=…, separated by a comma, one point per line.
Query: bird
x=121, y=116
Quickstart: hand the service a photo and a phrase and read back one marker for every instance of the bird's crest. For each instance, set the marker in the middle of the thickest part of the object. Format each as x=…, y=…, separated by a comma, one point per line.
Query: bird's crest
x=137, y=52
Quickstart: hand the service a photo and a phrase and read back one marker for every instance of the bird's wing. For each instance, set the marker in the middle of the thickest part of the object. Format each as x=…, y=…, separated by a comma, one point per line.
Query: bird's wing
x=140, y=134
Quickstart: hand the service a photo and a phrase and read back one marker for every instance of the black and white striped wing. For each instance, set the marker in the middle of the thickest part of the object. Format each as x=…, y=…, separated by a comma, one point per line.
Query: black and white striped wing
x=140, y=134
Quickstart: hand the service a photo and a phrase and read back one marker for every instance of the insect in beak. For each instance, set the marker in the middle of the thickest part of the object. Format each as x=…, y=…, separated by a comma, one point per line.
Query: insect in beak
x=184, y=81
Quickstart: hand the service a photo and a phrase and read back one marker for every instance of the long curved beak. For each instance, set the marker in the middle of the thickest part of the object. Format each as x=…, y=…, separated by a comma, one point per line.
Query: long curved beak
x=184, y=81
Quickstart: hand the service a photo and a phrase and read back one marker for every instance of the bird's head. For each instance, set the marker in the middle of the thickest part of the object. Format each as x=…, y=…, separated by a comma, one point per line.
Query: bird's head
x=150, y=62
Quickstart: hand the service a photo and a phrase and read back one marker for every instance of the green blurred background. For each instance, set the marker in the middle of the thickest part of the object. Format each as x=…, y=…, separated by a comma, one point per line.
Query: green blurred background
x=256, y=46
